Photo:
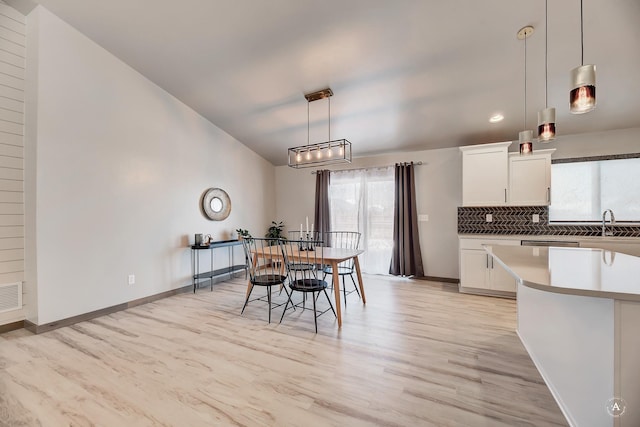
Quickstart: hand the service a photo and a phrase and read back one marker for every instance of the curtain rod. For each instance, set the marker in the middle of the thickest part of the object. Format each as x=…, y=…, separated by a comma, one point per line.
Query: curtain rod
x=372, y=167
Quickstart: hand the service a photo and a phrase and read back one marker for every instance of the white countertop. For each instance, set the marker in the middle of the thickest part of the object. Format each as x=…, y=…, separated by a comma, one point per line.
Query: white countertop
x=577, y=271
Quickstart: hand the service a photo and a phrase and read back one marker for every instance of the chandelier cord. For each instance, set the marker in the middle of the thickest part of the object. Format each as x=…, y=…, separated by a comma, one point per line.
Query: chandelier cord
x=546, y=54
x=525, y=82
x=308, y=119
x=329, y=122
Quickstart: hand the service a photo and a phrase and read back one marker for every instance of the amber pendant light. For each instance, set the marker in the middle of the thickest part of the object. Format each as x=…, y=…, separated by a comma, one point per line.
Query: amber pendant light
x=582, y=97
x=546, y=117
x=526, y=136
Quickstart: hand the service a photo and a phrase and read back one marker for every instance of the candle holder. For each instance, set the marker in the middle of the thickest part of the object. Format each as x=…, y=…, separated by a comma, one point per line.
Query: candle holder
x=306, y=244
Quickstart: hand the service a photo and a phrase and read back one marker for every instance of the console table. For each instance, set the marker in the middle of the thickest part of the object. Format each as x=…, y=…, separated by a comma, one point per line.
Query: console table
x=214, y=272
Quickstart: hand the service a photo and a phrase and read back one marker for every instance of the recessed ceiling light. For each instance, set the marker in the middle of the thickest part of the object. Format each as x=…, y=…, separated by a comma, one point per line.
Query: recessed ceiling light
x=496, y=118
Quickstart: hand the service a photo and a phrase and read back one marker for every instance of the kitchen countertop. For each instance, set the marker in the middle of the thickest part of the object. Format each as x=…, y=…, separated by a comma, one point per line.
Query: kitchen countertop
x=575, y=271
x=612, y=239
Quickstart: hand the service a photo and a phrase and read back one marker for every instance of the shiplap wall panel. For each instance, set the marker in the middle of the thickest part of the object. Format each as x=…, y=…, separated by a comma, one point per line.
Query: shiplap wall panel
x=11, y=151
x=13, y=231
x=14, y=174
x=11, y=139
x=11, y=255
x=11, y=185
x=11, y=116
x=12, y=196
x=12, y=63
x=18, y=276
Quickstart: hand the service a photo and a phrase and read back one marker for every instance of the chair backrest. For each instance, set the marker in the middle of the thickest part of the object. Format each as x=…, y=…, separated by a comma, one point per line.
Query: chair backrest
x=303, y=259
x=344, y=240
x=263, y=256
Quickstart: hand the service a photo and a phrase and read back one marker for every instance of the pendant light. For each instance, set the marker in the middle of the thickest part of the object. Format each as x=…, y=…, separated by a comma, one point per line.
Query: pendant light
x=546, y=117
x=526, y=136
x=582, y=97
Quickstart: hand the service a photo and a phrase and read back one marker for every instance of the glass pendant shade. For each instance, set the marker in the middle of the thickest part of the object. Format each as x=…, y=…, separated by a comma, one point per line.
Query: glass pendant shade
x=526, y=141
x=582, y=98
x=547, y=124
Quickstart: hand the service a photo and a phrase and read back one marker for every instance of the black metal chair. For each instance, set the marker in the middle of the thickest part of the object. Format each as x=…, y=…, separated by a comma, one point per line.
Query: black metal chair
x=296, y=236
x=264, y=259
x=345, y=240
x=310, y=253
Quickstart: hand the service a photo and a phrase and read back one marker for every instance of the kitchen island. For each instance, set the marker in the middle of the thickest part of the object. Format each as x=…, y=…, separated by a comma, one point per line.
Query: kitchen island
x=579, y=319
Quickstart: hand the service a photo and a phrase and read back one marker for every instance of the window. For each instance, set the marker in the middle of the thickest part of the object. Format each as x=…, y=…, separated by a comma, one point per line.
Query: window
x=581, y=191
x=362, y=200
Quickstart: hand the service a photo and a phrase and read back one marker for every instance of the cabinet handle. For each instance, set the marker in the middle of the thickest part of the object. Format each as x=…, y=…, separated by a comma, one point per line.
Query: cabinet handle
x=487, y=259
x=549, y=195
x=505, y=195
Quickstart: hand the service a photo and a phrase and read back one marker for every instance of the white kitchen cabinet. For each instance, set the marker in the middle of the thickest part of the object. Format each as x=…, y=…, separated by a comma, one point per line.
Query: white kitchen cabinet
x=530, y=178
x=485, y=174
x=479, y=273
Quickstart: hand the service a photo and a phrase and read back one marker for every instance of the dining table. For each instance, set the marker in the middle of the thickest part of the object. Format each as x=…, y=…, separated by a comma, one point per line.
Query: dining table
x=331, y=256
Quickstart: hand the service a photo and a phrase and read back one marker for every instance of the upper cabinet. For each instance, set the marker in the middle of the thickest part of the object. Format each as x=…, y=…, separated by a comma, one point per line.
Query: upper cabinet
x=530, y=178
x=485, y=174
x=491, y=176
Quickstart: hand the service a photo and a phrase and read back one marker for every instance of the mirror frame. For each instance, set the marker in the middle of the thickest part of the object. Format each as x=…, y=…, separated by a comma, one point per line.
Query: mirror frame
x=207, y=198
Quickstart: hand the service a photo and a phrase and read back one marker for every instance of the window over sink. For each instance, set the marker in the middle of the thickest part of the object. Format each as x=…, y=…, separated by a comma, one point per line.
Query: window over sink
x=582, y=189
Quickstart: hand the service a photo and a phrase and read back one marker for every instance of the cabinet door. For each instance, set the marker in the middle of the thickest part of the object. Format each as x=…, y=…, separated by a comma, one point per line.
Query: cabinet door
x=485, y=177
x=473, y=268
x=529, y=180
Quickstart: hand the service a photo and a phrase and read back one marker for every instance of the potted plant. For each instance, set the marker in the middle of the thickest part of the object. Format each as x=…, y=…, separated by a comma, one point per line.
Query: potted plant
x=275, y=232
x=243, y=234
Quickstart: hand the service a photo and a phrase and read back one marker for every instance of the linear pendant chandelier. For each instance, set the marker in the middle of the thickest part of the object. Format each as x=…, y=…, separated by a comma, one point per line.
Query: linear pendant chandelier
x=320, y=153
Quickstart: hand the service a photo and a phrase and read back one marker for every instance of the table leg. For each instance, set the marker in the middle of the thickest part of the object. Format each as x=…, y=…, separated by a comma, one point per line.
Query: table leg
x=359, y=273
x=255, y=262
x=336, y=291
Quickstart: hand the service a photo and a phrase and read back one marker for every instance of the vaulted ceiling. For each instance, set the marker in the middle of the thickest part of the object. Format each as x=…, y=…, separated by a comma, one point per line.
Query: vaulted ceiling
x=406, y=75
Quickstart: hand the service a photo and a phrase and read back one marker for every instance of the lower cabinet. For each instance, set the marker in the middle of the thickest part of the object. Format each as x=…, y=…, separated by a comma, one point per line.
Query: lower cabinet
x=479, y=273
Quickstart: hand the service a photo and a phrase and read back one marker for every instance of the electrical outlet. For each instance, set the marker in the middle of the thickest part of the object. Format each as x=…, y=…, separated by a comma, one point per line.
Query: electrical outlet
x=132, y=279
x=423, y=217
x=535, y=218
x=489, y=218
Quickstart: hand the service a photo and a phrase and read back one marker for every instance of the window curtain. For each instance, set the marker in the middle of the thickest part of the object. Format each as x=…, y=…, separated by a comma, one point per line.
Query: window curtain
x=406, y=259
x=362, y=200
x=322, y=217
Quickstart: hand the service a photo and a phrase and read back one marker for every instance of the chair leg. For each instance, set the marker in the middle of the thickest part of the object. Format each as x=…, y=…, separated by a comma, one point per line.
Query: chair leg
x=287, y=305
x=247, y=300
x=269, y=301
x=315, y=315
x=344, y=291
x=355, y=286
x=330, y=305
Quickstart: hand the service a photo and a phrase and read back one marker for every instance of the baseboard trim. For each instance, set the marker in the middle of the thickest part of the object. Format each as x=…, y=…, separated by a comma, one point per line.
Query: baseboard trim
x=12, y=326
x=38, y=329
x=438, y=279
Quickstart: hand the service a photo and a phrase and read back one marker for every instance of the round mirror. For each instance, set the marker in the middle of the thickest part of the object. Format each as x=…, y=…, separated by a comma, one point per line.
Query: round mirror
x=216, y=204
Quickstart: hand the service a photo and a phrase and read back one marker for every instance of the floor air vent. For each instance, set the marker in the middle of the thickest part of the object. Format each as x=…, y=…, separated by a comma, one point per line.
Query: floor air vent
x=10, y=297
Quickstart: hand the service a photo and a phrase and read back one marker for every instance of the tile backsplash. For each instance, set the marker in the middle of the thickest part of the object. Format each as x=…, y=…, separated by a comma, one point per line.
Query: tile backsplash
x=518, y=220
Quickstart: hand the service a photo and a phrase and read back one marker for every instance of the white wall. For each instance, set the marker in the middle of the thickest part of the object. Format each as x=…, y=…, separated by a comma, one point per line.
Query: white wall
x=119, y=169
x=438, y=194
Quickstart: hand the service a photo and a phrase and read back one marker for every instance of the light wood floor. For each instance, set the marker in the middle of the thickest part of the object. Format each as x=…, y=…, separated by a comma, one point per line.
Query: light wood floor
x=418, y=354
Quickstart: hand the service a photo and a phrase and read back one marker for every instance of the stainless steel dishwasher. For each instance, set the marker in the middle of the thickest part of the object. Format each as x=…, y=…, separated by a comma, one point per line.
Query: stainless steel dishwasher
x=559, y=243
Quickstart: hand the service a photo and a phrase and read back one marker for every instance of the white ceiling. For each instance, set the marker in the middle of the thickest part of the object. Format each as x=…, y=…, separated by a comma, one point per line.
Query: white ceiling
x=406, y=74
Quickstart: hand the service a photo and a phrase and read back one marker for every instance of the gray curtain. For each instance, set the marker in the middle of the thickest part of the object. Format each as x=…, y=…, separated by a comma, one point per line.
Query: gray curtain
x=406, y=258
x=322, y=219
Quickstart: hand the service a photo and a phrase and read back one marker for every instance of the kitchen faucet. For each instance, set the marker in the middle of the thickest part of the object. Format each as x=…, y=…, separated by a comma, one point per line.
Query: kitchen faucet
x=604, y=221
